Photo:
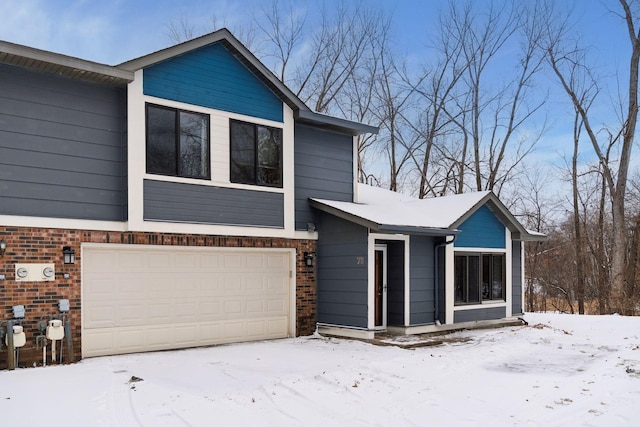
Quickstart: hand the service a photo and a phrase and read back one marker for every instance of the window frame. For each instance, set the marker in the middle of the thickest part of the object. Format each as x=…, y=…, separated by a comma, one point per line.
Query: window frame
x=480, y=256
x=177, y=141
x=256, y=158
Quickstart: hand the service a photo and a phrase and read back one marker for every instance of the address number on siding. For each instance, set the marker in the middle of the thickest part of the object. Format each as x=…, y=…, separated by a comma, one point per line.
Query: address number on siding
x=360, y=260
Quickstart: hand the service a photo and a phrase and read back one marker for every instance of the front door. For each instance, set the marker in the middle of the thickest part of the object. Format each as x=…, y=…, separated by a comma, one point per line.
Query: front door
x=380, y=286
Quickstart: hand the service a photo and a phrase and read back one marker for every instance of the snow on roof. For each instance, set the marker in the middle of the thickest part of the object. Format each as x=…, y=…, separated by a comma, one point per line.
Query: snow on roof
x=385, y=207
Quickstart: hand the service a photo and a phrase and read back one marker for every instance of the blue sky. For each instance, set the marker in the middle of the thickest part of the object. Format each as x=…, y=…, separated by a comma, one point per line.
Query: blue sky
x=118, y=30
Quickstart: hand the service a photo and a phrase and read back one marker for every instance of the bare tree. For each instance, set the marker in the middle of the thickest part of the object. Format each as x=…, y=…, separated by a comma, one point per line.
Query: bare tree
x=567, y=61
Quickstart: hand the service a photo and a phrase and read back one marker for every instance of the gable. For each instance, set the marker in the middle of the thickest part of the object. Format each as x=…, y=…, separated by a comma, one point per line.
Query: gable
x=481, y=230
x=212, y=77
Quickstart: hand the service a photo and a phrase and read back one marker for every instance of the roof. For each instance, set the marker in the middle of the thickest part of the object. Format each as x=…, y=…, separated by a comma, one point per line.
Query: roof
x=387, y=211
x=67, y=66
x=123, y=74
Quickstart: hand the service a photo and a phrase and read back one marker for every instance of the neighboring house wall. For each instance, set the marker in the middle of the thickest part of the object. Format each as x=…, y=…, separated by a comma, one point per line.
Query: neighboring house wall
x=172, y=201
x=517, y=280
x=422, y=282
x=63, y=147
x=323, y=169
x=481, y=230
x=342, y=272
x=490, y=313
x=395, y=282
x=212, y=77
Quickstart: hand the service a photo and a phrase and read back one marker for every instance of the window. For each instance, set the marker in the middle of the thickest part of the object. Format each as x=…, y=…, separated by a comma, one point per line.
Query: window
x=177, y=142
x=256, y=154
x=479, y=277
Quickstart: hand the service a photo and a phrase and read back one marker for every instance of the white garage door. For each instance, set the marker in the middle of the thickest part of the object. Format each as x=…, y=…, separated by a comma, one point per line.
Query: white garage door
x=145, y=298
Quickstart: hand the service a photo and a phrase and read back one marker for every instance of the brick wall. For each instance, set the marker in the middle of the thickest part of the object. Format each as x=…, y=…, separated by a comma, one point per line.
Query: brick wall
x=42, y=245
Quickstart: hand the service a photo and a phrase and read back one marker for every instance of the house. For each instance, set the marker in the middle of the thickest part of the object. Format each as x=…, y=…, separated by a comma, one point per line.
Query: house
x=392, y=262
x=189, y=198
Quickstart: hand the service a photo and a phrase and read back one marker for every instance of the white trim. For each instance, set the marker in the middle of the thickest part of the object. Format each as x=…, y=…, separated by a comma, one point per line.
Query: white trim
x=371, y=243
x=482, y=250
x=208, y=183
x=67, y=223
x=482, y=305
x=135, y=151
x=508, y=298
x=385, y=281
x=407, y=267
x=449, y=285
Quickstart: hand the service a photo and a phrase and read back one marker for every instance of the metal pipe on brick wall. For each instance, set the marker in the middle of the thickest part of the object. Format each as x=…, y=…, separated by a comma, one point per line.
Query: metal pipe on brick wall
x=11, y=354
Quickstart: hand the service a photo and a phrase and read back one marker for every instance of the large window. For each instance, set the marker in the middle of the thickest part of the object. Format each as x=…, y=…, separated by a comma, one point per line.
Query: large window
x=177, y=142
x=256, y=154
x=479, y=277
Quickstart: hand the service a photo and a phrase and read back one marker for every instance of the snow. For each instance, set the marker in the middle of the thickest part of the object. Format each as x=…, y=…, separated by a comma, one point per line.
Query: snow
x=391, y=208
x=559, y=370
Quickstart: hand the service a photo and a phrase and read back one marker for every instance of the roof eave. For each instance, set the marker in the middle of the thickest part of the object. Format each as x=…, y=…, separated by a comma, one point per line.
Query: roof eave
x=381, y=228
x=334, y=123
x=68, y=66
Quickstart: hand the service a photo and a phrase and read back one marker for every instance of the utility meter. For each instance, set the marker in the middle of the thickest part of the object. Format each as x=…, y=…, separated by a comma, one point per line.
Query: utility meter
x=19, y=338
x=55, y=331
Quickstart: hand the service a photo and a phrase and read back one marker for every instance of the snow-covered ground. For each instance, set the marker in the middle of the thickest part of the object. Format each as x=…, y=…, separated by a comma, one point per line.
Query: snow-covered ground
x=559, y=370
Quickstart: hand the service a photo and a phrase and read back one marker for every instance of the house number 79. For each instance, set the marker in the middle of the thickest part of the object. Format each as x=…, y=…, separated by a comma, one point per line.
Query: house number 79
x=360, y=260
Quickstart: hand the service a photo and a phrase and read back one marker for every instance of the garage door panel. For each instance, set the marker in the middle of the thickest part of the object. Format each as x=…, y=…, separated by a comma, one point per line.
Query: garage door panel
x=142, y=299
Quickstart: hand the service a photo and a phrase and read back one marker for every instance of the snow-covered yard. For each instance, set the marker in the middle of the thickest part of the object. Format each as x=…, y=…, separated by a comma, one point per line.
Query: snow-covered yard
x=559, y=370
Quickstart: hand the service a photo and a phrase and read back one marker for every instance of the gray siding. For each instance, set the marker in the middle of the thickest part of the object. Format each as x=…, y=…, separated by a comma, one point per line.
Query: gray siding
x=422, y=282
x=179, y=202
x=479, y=314
x=342, y=279
x=516, y=277
x=395, y=282
x=441, y=284
x=62, y=147
x=323, y=169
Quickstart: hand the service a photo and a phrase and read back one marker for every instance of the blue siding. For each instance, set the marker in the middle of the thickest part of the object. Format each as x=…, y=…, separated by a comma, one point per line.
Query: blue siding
x=212, y=77
x=422, y=280
x=342, y=280
x=516, y=277
x=323, y=169
x=481, y=230
x=62, y=147
x=180, y=202
x=492, y=313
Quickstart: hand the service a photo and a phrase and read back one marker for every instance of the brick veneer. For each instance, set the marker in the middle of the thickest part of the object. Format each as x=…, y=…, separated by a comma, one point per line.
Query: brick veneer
x=44, y=245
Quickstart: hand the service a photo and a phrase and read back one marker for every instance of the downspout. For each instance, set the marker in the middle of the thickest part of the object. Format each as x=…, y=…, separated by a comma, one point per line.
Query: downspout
x=437, y=274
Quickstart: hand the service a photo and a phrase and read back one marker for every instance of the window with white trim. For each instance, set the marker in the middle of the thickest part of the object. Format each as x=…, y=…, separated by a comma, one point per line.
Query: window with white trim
x=177, y=142
x=256, y=154
x=479, y=277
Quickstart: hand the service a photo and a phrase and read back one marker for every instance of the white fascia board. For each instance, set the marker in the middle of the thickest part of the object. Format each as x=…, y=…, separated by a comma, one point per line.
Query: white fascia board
x=62, y=223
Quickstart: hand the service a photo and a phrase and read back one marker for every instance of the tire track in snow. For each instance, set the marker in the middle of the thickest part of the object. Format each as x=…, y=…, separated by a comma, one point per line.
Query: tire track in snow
x=120, y=403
